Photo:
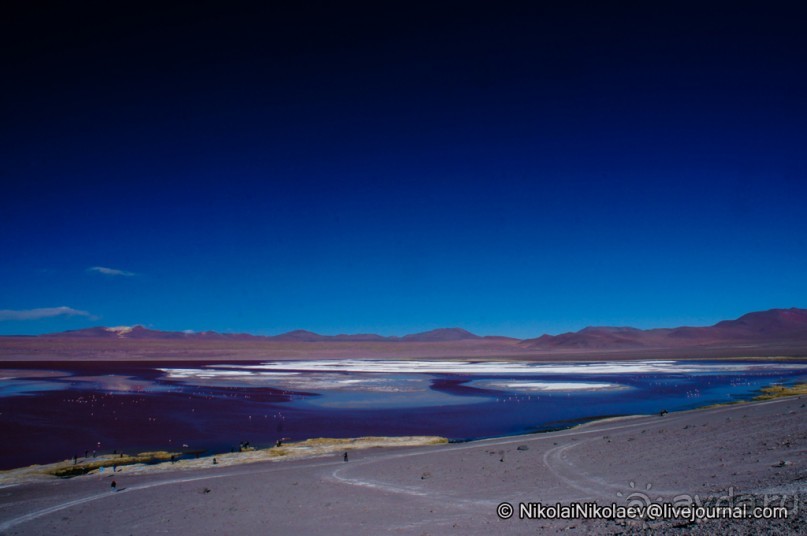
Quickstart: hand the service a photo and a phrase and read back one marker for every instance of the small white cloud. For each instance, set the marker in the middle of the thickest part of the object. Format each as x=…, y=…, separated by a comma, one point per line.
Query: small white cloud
x=110, y=271
x=43, y=312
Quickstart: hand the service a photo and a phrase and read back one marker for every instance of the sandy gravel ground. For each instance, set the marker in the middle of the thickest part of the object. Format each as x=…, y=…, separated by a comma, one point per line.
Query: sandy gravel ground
x=737, y=454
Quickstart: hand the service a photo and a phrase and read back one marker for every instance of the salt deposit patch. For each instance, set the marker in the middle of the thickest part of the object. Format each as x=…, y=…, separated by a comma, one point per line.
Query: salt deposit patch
x=184, y=374
x=509, y=368
x=532, y=386
x=209, y=377
x=298, y=381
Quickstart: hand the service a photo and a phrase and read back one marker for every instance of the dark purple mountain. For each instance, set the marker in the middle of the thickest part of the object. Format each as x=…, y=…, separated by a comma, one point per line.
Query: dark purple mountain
x=775, y=325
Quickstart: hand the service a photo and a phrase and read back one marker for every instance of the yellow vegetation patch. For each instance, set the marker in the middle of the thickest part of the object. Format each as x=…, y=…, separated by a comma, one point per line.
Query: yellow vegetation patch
x=68, y=469
x=768, y=393
x=778, y=391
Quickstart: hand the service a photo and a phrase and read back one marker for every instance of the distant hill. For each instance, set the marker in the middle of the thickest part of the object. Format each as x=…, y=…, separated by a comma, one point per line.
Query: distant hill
x=443, y=334
x=775, y=325
x=301, y=335
x=119, y=332
x=140, y=332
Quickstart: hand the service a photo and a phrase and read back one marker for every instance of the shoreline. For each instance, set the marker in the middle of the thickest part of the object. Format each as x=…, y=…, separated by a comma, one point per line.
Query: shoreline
x=163, y=461
x=744, y=454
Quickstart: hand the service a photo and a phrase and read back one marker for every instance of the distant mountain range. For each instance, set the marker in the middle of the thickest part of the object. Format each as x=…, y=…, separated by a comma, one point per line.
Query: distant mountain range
x=775, y=325
x=300, y=335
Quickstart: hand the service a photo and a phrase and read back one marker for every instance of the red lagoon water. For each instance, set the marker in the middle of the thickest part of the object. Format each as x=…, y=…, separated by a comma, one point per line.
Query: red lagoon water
x=53, y=411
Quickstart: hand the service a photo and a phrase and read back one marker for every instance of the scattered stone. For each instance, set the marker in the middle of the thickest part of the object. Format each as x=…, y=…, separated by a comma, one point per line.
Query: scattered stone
x=522, y=447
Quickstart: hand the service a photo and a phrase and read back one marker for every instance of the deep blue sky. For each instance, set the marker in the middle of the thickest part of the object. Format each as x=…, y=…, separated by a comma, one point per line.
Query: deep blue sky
x=391, y=168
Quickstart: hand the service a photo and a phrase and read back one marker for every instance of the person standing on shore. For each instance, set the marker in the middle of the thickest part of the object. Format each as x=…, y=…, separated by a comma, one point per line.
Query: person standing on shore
x=345, y=455
x=114, y=485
